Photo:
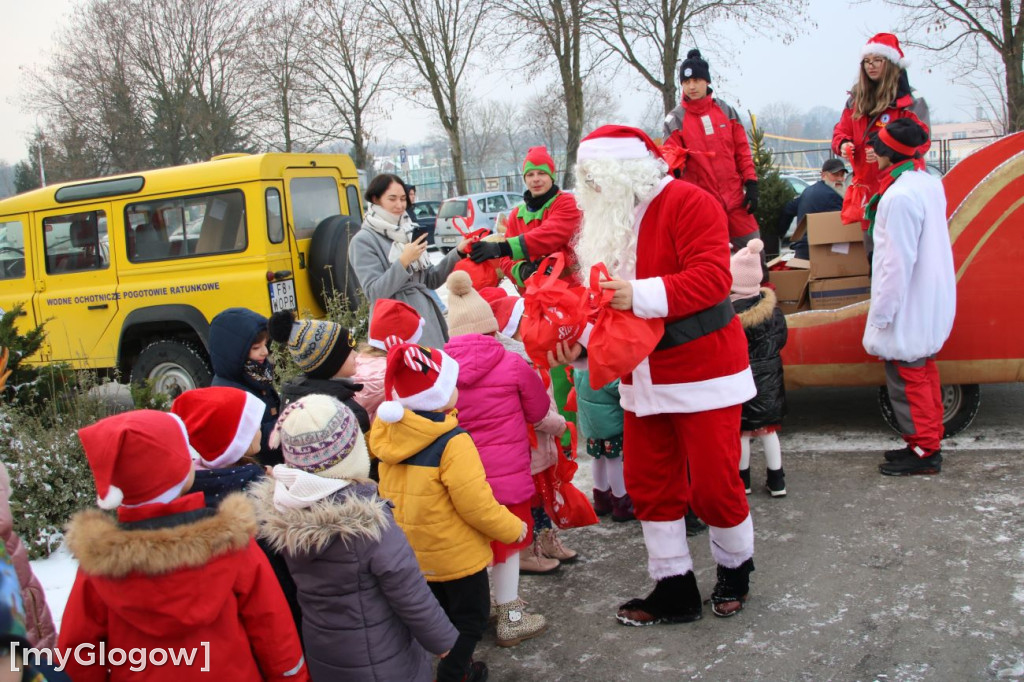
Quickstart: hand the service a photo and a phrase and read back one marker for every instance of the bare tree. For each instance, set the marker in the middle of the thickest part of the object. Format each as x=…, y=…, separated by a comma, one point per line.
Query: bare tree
x=438, y=39
x=482, y=127
x=566, y=32
x=353, y=67
x=965, y=32
x=648, y=34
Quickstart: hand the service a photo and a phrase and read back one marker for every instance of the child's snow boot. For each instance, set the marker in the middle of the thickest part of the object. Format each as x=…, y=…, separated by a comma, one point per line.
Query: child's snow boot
x=551, y=546
x=514, y=626
x=775, y=482
x=622, y=508
x=675, y=599
x=732, y=589
x=745, y=477
x=602, y=502
x=533, y=562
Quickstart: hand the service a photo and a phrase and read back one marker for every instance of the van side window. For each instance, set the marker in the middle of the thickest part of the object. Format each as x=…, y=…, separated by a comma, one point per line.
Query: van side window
x=313, y=199
x=355, y=206
x=12, y=250
x=76, y=242
x=275, y=224
x=183, y=227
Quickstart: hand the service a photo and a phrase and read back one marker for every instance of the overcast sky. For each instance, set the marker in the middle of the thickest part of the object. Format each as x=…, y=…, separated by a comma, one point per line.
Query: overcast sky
x=816, y=69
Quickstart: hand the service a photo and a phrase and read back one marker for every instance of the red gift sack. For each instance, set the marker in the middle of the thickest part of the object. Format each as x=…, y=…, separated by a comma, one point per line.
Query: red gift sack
x=854, y=201
x=563, y=502
x=619, y=340
x=553, y=310
x=480, y=274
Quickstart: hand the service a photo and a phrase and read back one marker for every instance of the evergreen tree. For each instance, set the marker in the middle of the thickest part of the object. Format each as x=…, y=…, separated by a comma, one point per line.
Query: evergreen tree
x=773, y=191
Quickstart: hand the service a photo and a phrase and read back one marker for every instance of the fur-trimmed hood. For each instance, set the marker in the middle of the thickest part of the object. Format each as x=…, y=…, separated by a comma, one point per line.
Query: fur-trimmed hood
x=104, y=548
x=761, y=311
x=354, y=512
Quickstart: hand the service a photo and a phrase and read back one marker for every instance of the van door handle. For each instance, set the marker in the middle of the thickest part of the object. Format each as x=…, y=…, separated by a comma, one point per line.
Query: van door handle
x=99, y=306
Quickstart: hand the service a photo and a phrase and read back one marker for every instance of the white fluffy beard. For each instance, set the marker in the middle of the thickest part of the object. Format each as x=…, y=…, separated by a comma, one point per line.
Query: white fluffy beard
x=608, y=192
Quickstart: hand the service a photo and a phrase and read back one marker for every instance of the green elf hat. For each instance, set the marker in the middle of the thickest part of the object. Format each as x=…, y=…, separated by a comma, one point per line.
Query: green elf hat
x=537, y=158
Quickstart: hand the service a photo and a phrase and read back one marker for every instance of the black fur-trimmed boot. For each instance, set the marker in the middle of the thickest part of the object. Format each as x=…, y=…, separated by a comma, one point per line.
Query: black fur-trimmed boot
x=675, y=599
x=732, y=589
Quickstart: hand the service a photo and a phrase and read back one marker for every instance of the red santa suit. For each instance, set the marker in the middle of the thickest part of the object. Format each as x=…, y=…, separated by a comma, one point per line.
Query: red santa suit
x=683, y=402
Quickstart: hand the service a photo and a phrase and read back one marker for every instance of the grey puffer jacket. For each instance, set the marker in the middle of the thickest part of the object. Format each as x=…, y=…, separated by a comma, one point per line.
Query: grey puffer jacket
x=367, y=613
x=368, y=255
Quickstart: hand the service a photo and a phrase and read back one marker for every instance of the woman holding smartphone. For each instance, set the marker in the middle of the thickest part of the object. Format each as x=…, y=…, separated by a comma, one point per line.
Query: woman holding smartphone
x=390, y=263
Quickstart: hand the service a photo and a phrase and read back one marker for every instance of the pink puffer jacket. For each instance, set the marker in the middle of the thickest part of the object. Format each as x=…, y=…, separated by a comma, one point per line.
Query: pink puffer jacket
x=38, y=621
x=499, y=394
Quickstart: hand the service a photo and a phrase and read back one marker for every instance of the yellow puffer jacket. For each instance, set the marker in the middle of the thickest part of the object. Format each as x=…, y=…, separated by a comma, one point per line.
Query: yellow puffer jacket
x=431, y=470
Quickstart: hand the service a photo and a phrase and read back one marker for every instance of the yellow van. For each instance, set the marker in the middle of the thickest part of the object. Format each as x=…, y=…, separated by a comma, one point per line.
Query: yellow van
x=126, y=272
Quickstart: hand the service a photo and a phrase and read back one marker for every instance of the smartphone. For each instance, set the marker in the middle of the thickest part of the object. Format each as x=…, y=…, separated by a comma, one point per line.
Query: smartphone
x=418, y=232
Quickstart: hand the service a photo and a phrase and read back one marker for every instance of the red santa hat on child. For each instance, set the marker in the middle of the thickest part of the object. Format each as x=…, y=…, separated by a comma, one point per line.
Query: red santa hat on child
x=221, y=422
x=137, y=458
x=507, y=309
x=417, y=378
x=886, y=45
x=394, y=318
x=617, y=142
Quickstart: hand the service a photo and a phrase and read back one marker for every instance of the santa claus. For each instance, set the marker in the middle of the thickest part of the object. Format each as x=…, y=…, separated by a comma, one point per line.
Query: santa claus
x=666, y=242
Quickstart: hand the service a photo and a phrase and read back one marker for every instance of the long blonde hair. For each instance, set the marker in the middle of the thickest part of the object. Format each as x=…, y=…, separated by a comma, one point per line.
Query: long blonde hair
x=871, y=98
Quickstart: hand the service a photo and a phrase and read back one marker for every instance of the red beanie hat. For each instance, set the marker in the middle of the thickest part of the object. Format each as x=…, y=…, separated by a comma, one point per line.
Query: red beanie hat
x=537, y=158
x=417, y=378
x=507, y=309
x=886, y=45
x=221, y=422
x=394, y=318
x=137, y=457
x=617, y=142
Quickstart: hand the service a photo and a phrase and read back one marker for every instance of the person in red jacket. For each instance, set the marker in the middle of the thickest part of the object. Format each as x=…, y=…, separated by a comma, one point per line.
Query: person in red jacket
x=169, y=576
x=705, y=137
x=546, y=224
x=881, y=95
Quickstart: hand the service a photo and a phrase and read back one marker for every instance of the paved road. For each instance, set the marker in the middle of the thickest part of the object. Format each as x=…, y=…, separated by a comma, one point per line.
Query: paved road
x=859, y=577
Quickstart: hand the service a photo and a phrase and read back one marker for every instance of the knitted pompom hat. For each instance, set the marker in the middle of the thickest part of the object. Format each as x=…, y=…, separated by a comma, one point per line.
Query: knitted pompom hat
x=694, y=66
x=417, y=378
x=320, y=435
x=394, y=318
x=318, y=347
x=221, y=422
x=468, y=313
x=538, y=158
x=139, y=457
x=746, y=270
x=886, y=45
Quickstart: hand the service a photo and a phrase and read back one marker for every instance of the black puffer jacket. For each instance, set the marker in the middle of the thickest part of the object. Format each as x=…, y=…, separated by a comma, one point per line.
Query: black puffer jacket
x=765, y=326
x=342, y=389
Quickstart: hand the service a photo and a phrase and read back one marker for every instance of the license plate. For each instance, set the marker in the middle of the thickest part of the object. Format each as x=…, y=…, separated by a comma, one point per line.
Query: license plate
x=282, y=296
x=449, y=240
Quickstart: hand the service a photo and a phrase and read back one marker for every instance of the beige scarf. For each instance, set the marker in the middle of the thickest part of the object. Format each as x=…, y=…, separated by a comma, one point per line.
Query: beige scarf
x=396, y=229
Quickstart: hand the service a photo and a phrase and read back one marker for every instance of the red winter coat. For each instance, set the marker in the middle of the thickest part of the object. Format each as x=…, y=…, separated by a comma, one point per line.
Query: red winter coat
x=857, y=130
x=718, y=155
x=554, y=232
x=172, y=581
x=682, y=268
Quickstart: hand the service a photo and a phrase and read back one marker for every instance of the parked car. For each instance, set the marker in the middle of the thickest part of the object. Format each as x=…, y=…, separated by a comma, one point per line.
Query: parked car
x=473, y=211
x=425, y=213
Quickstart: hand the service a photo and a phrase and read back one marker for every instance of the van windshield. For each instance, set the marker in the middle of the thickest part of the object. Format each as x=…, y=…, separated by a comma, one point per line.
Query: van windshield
x=451, y=209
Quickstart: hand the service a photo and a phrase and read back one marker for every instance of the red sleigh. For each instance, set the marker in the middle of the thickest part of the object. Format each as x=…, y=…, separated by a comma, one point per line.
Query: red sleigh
x=985, y=204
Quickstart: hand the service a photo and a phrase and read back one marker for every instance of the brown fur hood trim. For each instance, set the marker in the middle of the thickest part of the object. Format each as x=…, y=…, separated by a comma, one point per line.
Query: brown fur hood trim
x=349, y=514
x=102, y=547
x=760, y=312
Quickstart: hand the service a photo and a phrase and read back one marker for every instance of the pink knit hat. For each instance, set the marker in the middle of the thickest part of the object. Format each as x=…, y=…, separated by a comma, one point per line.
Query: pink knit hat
x=746, y=270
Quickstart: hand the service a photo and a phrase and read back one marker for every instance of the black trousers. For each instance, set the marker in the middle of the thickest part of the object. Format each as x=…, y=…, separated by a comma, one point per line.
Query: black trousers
x=467, y=601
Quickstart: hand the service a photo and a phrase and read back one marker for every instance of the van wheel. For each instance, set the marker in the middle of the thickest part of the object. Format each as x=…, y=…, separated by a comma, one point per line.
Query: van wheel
x=960, y=403
x=329, y=270
x=173, y=366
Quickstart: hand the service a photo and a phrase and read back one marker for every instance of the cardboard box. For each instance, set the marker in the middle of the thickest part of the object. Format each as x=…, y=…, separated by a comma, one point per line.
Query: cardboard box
x=829, y=294
x=836, y=250
x=790, y=289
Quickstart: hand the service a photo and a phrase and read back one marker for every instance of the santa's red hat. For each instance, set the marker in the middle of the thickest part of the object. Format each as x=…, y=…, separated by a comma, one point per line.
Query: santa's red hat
x=417, y=378
x=617, y=142
x=221, y=422
x=394, y=318
x=507, y=309
x=137, y=458
x=886, y=45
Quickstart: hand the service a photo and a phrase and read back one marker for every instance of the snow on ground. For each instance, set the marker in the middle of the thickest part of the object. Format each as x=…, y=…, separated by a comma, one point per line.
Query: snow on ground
x=57, y=574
